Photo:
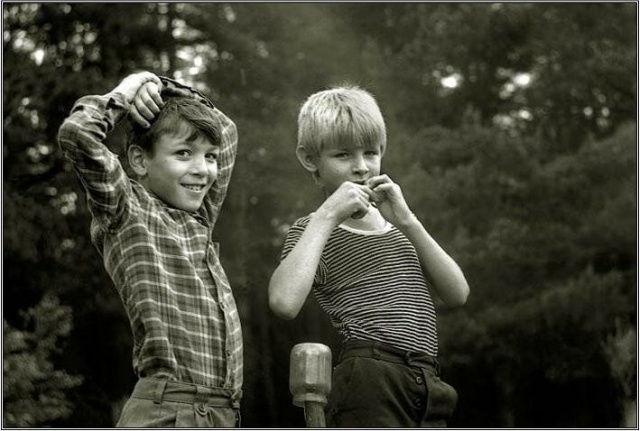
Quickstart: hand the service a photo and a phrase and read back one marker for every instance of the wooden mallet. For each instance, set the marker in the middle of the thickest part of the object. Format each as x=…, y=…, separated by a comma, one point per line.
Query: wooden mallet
x=310, y=380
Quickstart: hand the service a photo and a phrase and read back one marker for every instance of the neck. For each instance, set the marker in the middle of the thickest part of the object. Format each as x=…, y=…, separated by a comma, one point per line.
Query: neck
x=372, y=221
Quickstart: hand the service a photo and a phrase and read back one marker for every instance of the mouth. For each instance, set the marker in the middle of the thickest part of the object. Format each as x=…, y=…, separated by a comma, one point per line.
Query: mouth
x=194, y=187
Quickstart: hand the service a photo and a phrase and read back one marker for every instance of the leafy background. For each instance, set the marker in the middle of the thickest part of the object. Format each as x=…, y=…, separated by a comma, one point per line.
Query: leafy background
x=512, y=130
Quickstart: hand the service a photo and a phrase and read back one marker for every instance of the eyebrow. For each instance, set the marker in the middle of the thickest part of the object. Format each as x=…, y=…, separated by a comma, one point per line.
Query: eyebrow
x=195, y=134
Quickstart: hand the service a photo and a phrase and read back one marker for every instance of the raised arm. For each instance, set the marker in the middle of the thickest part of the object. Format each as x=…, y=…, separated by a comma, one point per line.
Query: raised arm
x=293, y=279
x=441, y=270
x=444, y=274
x=81, y=138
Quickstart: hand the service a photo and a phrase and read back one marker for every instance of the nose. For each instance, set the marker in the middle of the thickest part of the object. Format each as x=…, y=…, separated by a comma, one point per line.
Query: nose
x=360, y=165
x=199, y=166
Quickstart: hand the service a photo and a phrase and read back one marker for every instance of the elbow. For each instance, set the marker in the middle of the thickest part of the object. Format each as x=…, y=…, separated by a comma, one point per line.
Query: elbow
x=66, y=137
x=63, y=133
x=460, y=298
x=282, y=308
x=457, y=295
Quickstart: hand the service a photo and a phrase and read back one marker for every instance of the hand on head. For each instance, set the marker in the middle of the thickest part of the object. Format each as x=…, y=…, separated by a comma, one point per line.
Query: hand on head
x=146, y=104
x=142, y=91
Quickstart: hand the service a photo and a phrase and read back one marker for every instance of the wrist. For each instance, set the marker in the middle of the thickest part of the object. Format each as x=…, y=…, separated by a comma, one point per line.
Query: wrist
x=325, y=217
x=124, y=97
x=115, y=99
x=409, y=222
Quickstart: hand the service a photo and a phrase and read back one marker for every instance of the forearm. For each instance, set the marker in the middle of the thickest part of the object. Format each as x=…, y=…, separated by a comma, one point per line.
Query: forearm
x=81, y=139
x=226, y=162
x=90, y=120
x=441, y=270
x=293, y=279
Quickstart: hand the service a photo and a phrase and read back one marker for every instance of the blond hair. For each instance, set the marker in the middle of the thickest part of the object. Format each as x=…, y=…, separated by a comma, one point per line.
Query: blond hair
x=341, y=115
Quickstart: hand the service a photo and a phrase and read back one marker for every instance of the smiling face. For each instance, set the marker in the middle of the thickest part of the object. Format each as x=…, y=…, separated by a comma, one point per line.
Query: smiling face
x=339, y=163
x=181, y=167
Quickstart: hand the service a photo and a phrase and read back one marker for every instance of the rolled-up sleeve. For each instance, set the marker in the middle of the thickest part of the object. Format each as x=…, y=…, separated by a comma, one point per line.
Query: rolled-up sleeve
x=81, y=138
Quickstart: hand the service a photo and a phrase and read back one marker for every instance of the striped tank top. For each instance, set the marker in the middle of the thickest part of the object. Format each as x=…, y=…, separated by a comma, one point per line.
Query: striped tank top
x=371, y=285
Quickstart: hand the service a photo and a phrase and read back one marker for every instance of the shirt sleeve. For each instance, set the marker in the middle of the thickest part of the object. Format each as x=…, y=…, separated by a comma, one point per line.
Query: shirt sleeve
x=81, y=139
x=293, y=236
x=226, y=161
x=228, y=146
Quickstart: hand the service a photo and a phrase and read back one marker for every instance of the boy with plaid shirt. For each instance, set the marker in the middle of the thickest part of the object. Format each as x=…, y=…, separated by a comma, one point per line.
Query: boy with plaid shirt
x=154, y=233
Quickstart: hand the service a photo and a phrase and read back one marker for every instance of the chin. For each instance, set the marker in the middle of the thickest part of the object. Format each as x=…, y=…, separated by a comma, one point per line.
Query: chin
x=188, y=207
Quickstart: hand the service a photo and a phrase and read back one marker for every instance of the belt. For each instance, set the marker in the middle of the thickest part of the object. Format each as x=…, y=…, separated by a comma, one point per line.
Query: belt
x=385, y=352
x=158, y=390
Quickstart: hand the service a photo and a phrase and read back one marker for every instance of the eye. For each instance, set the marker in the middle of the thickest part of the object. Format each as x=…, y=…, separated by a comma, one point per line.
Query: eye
x=372, y=153
x=183, y=153
x=211, y=157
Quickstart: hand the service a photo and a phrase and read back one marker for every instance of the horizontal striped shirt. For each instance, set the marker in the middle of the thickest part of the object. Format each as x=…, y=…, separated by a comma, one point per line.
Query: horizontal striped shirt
x=162, y=260
x=372, y=287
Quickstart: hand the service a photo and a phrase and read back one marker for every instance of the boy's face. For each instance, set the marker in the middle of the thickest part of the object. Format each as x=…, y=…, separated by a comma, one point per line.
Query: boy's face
x=337, y=164
x=181, y=168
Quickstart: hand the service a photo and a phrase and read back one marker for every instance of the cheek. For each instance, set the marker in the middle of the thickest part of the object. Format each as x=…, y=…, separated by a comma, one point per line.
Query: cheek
x=213, y=171
x=175, y=168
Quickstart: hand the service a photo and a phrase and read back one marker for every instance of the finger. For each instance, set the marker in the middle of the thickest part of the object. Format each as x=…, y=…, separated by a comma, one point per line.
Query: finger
x=373, y=182
x=153, y=90
x=149, y=77
x=364, y=190
x=138, y=119
x=383, y=191
x=149, y=99
x=143, y=109
x=370, y=194
x=363, y=209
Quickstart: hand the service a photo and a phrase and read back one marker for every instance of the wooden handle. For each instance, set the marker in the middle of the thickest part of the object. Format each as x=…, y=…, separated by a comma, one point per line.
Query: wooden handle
x=314, y=414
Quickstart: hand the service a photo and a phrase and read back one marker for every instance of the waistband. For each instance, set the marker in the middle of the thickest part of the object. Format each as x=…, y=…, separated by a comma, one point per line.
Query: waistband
x=158, y=390
x=385, y=352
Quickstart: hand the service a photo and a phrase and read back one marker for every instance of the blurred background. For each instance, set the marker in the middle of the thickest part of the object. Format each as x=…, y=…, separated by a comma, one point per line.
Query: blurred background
x=512, y=130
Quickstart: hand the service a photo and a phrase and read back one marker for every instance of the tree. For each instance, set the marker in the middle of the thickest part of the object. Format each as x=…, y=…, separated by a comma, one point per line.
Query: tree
x=33, y=389
x=511, y=130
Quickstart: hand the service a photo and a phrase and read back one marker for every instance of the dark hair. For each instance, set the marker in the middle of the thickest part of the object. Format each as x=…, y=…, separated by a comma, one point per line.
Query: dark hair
x=176, y=110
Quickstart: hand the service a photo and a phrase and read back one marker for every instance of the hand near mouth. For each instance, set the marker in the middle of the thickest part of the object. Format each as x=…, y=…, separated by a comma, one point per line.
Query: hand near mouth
x=361, y=213
x=349, y=200
x=388, y=198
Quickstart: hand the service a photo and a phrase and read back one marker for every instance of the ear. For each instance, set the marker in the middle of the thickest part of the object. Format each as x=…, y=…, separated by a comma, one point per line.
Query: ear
x=137, y=160
x=306, y=160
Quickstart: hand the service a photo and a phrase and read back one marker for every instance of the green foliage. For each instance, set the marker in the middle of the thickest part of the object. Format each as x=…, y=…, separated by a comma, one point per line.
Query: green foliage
x=34, y=391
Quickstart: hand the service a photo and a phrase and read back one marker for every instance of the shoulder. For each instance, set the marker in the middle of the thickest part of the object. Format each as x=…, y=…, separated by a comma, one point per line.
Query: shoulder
x=295, y=230
x=302, y=221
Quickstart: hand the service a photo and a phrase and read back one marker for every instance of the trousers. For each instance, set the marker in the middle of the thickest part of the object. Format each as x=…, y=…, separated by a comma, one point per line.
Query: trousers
x=375, y=385
x=157, y=403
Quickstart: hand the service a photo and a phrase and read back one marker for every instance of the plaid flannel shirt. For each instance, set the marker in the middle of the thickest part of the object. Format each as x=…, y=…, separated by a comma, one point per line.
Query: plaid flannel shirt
x=162, y=260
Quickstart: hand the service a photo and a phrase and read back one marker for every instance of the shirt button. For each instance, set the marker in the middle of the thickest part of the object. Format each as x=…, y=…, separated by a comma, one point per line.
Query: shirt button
x=228, y=353
x=419, y=380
